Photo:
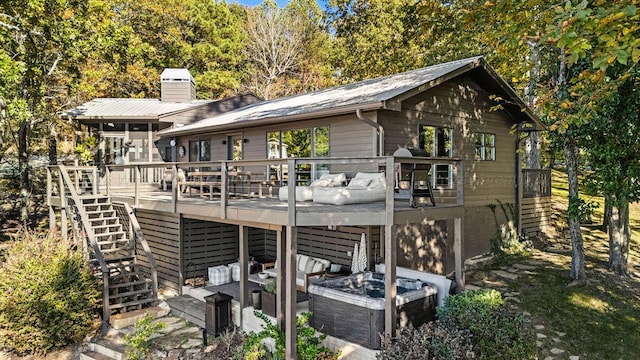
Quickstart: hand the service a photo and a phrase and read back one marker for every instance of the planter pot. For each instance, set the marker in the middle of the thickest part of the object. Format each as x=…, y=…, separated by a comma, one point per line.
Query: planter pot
x=268, y=303
x=256, y=301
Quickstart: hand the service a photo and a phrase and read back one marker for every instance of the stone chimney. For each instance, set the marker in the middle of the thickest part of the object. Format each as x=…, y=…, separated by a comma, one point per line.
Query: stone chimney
x=177, y=85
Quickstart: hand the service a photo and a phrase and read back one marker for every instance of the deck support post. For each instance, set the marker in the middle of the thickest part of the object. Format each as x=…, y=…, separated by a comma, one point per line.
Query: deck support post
x=63, y=206
x=290, y=294
x=457, y=251
x=244, y=270
x=390, y=255
x=280, y=270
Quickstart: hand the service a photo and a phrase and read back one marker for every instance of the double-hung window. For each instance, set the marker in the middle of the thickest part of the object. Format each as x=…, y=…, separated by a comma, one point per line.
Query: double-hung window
x=438, y=142
x=485, y=146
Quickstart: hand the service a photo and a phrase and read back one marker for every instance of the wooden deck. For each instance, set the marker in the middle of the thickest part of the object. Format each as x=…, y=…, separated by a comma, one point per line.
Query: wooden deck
x=273, y=211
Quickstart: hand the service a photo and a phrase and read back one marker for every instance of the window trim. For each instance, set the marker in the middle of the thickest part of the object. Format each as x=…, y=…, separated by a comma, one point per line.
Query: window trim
x=480, y=147
x=199, y=157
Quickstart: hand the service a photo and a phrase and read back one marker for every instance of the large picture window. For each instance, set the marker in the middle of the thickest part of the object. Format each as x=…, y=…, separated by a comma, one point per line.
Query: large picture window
x=298, y=143
x=485, y=146
x=200, y=150
x=438, y=142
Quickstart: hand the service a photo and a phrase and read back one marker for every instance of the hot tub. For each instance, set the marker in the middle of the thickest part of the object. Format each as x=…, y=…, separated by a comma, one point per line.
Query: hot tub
x=352, y=308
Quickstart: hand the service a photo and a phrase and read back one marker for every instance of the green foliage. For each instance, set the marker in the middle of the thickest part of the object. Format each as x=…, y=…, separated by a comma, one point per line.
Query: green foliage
x=309, y=344
x=506, y=240
x=138, y=341
x=48, y=295
x=86, y=150
x=433, y=340
x=271, y=287
x=496, y=333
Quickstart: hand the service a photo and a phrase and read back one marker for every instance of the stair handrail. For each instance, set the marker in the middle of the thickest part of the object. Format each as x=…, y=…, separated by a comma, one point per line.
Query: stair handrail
x=135, y=226
x=92, y=241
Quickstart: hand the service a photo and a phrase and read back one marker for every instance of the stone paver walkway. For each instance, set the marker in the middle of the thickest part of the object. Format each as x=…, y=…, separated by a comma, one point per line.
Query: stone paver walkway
x=549, y=342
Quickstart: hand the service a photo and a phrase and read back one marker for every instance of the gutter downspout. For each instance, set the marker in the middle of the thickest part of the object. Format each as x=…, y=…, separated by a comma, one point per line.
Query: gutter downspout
x=378, y=128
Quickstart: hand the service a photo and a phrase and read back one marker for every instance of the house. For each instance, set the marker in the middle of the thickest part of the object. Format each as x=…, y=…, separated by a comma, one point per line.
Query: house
x=457, y=147
x=126, y=128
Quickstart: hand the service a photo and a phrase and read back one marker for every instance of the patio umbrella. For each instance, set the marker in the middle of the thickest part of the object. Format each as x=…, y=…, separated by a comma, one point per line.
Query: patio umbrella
x=354, y=260
x=362, y=255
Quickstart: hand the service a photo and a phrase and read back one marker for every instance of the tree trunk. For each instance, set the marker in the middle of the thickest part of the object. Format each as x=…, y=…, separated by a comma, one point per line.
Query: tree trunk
x=532, y=151
x=23, y=165
x=573, y=216
x=619, y=235
x=607, y=211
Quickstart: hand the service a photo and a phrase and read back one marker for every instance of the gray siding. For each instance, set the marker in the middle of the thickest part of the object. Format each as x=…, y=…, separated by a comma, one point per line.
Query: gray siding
x=536, y=215
x=208, y=244
x=426, y=246
x=333, y=245
x=162, y=231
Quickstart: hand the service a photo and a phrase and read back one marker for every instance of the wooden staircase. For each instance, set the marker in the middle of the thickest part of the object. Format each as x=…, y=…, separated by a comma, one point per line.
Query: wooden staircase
x=129, y=288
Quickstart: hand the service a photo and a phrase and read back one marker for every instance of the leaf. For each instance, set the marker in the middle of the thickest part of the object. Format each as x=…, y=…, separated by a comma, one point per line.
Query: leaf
x=630, y=10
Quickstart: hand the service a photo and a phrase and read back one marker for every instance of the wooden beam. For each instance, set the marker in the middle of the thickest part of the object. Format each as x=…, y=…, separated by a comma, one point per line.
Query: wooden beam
x=290, y=294
x=244, y=270
x=457, y=252
x=390, y=261
x=390, y=255
x=181, y=256
x=280, y=270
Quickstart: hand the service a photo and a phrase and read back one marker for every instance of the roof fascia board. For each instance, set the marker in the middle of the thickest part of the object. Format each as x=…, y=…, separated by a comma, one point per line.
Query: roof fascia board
x=107, y=118
x=272, y=120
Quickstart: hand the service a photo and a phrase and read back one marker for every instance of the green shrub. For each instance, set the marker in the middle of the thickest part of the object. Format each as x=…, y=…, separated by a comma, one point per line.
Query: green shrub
x=496, y=332
x=138, y=341
x=308, y=344
x=48, y=296
x=432, y=340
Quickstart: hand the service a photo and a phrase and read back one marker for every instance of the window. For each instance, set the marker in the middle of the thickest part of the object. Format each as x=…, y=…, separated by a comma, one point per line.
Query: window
x=200, y=150
x=438, y=142
x=485, y=146
x=299, y=143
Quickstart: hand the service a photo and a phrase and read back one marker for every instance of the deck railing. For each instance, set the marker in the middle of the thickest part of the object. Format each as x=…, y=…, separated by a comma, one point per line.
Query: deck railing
x=536, y=183
x=130, y=222
x=251, y=178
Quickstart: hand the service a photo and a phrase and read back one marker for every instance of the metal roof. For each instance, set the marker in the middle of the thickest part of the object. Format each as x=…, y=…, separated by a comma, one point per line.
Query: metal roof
x=117, y=108
x=365, y=95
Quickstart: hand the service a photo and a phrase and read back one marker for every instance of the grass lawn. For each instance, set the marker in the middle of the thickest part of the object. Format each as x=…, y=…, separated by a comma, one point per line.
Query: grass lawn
x=597, y=320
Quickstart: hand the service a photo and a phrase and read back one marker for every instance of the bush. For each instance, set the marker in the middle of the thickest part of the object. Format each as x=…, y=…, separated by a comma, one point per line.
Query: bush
x=433, y=340
x=308, y=344
x=496, y=333
x=48, y=295
x=138, y=341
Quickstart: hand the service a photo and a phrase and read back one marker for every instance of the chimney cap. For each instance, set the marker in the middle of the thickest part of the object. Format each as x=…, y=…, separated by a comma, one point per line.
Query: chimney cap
x=174, y=74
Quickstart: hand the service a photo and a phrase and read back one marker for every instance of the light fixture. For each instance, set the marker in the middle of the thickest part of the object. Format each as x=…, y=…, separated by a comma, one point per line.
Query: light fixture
x=224, y=142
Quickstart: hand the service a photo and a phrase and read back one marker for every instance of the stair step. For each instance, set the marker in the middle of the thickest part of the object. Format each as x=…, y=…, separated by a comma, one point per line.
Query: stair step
x=118, y=234
x=131, y=293
x=103, y=218
x=92, y=355
x=134, y=283
x=106, y=226
x=100, y=212
x=132, y=303
x=111, y=352
x=114, y=250
x=117, y=241
x=113, y=260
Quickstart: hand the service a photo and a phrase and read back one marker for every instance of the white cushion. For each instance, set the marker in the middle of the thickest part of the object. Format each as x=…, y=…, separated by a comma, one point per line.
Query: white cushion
x=303, y=193
x=317, y=267
x=235, y=271
x=320, y=182
x=336, y=179
x=376, y=179
x=302, y=262
x=325, y=263
x=310, y=265
x=219, y=275
x=359, y=183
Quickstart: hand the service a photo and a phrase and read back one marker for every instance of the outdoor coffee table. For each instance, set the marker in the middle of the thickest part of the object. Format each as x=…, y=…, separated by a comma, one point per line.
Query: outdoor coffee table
x=254, y=278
